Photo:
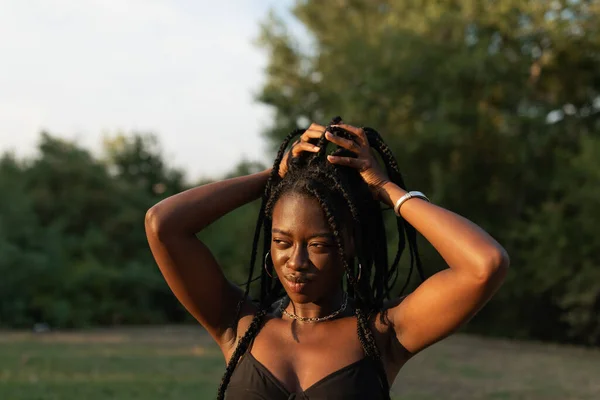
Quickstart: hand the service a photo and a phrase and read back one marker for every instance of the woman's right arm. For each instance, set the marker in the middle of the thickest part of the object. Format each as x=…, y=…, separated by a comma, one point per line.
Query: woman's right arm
x=187, y=264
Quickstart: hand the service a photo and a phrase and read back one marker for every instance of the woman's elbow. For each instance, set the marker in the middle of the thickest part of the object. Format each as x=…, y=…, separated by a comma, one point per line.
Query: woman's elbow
x=154, y=221
x=495, y=265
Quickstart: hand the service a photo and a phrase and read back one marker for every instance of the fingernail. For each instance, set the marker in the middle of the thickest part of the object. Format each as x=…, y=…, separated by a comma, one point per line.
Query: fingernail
x=316, y=148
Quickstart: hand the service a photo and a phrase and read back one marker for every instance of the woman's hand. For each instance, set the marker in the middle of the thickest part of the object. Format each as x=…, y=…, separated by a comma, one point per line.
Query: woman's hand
x=365, y=162
x=314, y=131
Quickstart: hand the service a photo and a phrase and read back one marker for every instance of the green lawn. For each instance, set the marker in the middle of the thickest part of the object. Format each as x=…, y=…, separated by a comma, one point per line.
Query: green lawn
x=181, y=363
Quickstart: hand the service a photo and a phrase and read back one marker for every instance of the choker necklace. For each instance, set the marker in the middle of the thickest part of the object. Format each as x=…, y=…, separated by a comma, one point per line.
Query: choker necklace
x=314, y=319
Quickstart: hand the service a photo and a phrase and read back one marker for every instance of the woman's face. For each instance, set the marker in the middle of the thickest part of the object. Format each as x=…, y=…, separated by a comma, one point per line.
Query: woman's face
x=303, y=249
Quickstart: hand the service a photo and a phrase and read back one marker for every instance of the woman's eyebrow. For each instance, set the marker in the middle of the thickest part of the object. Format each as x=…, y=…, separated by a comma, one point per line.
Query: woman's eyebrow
x=320, y=234
x=275, y=230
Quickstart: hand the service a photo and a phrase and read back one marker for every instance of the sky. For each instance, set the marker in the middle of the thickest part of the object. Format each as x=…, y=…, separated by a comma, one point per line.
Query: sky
x=186, y=70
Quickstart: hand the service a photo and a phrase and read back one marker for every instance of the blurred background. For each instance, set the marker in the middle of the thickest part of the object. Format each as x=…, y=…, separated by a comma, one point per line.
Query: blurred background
x=492, y=108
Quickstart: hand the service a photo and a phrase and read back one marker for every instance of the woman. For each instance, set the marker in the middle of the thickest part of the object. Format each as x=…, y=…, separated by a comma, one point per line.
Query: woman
x=322, y=327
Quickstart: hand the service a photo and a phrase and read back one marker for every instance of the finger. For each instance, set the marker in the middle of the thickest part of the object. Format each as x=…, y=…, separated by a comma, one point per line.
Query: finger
x=316, y=126
x=345, y=143
x=314, y=131
x=311, y=134
x=346, y=161
x=304, y=146
x=358, y=132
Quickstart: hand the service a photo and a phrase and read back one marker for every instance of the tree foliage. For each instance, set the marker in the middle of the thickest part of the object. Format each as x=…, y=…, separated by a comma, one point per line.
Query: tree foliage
x=72, y=245
x=491, y=107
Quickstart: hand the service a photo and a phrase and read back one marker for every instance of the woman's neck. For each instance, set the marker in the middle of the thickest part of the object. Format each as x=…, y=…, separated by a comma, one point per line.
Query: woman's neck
x=319, y=309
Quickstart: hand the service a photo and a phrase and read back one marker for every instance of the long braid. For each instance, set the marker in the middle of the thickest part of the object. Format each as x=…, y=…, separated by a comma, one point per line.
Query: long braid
x=393, y=171
x=381, y=285
x=255, y=325
x=367, y=340
x=266, y=194
x=240, y=349
x=376, y=142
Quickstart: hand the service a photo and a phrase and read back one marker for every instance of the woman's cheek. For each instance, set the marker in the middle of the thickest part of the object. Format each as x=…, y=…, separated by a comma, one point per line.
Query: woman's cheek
x=323, y=261
x=279, y=259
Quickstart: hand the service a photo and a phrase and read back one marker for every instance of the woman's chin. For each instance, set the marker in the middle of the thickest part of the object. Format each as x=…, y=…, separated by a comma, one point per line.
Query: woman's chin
x=300, y=298
x=300, y=292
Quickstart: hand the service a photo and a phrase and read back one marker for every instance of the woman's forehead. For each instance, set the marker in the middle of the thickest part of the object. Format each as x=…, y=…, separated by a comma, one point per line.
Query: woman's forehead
x=298, y=212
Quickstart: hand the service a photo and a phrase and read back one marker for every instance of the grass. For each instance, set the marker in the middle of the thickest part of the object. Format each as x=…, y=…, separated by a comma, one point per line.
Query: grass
x=182, y=363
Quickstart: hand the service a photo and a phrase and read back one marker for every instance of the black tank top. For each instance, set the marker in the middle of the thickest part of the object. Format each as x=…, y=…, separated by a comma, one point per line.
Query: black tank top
x=251, y=380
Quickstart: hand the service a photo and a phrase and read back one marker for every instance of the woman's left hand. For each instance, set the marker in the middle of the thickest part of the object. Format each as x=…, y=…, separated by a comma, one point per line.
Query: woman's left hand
x=364, y=162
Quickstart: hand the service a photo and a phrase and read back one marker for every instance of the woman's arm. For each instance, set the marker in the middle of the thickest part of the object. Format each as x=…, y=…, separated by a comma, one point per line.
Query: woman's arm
x=187, y=264
x=449, y=298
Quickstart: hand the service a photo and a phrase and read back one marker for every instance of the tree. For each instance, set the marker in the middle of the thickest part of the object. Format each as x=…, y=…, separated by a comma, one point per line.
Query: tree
x=486, y=105
x=72, y=246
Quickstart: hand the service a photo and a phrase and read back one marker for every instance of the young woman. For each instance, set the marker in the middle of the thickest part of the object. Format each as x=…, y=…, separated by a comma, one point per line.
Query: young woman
x=323, y=326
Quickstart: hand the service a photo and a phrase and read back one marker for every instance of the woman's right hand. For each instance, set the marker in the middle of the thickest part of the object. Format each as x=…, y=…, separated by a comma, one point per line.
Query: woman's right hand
x=314, y=131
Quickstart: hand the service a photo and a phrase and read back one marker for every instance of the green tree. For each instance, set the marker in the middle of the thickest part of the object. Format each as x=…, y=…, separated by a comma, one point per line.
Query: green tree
x=489, y=106
x=73, y=250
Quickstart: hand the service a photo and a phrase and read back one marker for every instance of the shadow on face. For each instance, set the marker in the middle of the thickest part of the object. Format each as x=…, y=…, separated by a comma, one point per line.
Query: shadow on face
x=304, y=250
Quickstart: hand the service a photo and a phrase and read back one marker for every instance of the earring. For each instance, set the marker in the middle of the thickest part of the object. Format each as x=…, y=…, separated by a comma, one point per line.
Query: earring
x=265, y=265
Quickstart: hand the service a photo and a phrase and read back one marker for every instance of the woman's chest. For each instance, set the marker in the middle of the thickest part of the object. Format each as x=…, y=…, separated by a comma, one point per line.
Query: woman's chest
x=301, y=356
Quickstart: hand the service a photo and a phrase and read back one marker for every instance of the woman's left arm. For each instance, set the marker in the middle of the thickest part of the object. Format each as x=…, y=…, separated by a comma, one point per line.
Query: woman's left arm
x=451, y=297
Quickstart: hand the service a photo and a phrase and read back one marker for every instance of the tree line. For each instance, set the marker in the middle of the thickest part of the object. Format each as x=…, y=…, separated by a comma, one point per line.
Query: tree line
x=492, y=108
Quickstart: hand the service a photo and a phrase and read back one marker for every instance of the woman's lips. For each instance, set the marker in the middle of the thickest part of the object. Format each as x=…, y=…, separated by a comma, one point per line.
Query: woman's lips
x=296, y=285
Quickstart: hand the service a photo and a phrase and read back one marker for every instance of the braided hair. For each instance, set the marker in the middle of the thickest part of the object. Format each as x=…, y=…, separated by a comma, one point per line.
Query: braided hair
x=341, y=192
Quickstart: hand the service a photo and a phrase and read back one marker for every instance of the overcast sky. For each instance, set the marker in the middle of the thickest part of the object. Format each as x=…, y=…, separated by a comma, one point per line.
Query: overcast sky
x=184, y=69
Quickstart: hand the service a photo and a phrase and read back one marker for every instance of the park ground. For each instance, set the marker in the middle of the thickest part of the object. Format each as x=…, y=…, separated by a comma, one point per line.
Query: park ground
x=168, y=363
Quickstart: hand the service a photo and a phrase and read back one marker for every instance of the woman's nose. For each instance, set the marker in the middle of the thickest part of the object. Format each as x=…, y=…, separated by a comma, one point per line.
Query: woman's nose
x=299, y=259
